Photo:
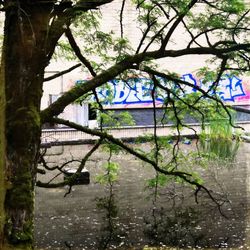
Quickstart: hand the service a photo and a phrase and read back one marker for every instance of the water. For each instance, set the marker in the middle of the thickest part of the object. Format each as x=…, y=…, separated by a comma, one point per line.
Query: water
x=126, y=215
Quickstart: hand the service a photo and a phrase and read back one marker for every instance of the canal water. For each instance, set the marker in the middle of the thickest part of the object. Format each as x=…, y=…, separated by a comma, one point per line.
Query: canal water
x=129, y=215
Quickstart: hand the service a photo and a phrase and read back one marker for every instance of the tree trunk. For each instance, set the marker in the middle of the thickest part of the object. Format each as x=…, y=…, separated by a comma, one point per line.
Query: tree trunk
x=23, y=69
x=2, y=152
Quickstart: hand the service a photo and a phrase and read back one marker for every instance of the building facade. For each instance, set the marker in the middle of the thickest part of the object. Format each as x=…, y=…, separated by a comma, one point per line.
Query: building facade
x=134, y=94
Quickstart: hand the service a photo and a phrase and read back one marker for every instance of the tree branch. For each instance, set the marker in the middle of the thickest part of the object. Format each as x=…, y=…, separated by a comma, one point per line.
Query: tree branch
x=77, y=51
x=128, y=63
x=186, y=177
x=176, y=23
x=62, y=73
x=205, y=93
x=61, y=17
x=71, y=180
x=121, y=17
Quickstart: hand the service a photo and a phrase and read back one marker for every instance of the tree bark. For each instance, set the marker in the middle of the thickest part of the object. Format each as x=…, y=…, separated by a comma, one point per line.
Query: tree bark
x=25, y=37
x=32, y=29
x=2, y=151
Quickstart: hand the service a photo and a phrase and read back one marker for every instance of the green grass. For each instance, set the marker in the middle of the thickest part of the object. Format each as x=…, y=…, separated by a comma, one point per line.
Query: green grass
x=217, y=140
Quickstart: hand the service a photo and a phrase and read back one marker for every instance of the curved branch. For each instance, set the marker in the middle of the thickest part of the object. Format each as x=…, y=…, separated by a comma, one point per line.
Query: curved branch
x=77, y=51
x=71, y=180
x=104, y=135
x=186, y=177
x=128, y=63
x=62, y=73
x=176, y=23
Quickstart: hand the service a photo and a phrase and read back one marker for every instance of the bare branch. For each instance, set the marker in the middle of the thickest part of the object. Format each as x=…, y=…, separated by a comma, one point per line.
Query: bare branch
x=77, y=51
x=62, y=72
x=176, y=23
x=71, y=180
x=121, y=17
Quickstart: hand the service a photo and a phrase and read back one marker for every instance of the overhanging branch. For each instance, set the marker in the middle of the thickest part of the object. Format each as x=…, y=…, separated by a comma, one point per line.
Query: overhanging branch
x=77, y=51
x=61, y=73
x=203, y=92
x=186, y=177
x=129, y=62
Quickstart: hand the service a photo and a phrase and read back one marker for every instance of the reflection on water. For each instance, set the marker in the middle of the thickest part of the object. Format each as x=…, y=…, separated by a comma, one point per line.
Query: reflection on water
x=172, y=217
x=109, y=229
x=176, y=228
x=125, y=215
x=173, y=221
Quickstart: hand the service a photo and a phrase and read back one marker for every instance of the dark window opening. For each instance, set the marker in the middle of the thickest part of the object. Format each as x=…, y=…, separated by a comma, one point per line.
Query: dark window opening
x=92, y=112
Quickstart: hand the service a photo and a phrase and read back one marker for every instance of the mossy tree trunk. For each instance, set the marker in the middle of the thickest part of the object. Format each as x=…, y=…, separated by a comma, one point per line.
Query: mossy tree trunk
x=2, y=153
x=25, y=42
x=32, y=30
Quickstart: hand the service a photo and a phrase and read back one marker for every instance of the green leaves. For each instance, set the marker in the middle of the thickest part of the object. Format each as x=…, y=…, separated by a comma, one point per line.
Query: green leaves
x=217, y=139
x=220, y=20
x=160, y=180
x=232, y=6
x=114, y=119
x=111, y=176
x=111, y=147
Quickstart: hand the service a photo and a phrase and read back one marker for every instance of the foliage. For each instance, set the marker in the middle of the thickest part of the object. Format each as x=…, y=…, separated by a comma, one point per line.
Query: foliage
x=74, y=30
x=108, y=203
x=111, y=175
x=112, y=119
x=217, y=139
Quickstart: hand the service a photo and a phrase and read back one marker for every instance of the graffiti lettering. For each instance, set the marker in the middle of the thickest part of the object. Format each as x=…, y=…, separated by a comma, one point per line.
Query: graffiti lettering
x=232, y=89
x=189, y=78
x=133, y=91
x=137, y=91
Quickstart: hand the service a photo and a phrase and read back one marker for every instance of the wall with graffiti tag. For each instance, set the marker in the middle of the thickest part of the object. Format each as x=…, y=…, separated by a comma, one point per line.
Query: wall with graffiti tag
x=230, y=89
x=137, y=92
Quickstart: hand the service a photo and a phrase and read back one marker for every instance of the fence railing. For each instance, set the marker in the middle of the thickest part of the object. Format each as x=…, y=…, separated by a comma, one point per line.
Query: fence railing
x=69, y=135
x=64, y=135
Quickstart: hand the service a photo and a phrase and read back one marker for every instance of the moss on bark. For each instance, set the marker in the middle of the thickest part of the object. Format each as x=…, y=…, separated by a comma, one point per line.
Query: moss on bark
x=24, y=75
x=24, y=123
x=21, y=192
x=2, y=149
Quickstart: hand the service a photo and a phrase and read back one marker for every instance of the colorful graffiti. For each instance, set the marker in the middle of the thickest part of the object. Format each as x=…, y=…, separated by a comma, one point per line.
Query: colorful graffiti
x=229, y=88
x=136, y=92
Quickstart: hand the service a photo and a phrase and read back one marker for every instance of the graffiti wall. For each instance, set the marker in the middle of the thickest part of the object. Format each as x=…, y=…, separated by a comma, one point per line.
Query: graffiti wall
x=136, y=92
x=230, y=89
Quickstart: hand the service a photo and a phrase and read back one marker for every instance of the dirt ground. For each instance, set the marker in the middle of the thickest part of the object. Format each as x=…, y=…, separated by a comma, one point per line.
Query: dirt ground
x=95, y=217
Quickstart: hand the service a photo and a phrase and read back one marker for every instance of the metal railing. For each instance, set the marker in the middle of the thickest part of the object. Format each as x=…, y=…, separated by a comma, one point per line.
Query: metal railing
x=64, y=135
x=69, y=135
